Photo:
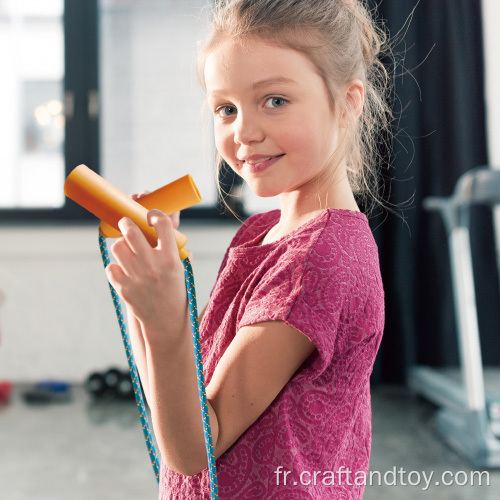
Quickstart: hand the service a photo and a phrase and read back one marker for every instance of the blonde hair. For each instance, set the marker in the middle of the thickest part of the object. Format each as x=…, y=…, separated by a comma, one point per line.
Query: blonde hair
x=344, y=42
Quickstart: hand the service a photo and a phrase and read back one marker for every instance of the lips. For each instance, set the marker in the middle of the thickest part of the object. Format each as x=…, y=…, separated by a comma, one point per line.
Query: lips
x=255, y=162
x=254, y=159
x=258, y=163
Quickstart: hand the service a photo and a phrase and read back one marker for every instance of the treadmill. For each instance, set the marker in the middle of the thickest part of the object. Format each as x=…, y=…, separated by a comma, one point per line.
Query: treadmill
x=469, y=397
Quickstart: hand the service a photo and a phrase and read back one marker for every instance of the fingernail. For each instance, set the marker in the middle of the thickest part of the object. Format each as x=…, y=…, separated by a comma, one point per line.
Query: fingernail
x=122, y=223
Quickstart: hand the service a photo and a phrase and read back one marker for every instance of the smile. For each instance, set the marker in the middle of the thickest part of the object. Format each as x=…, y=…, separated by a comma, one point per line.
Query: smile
x=255, y=165
x=254, y=162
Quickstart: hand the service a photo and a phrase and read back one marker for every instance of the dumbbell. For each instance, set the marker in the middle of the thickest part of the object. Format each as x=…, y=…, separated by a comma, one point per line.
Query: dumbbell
x=119, y=383
x=113, y=383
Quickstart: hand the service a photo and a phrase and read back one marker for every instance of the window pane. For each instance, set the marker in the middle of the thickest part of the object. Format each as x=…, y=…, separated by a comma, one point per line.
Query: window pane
x=152, y=129
x=32, y=122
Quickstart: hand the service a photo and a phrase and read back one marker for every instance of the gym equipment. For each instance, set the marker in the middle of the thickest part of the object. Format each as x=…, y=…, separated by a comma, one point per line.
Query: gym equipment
x=112, y=378
x=96, y=385
x=124, y=387
x=469, y=420
x=48, y=391
x=112, y=384
x=5, y=392
x=109, y=204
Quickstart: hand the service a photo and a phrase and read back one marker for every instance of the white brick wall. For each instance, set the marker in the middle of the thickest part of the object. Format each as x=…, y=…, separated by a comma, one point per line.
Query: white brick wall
x=58, y=320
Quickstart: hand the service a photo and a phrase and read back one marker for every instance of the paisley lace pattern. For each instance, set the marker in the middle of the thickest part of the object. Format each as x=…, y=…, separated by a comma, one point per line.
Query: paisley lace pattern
x=323, y=279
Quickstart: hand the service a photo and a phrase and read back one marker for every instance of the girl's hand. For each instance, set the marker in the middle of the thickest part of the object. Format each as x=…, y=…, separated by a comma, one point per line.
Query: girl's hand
x=175, y=217
x=151, y=280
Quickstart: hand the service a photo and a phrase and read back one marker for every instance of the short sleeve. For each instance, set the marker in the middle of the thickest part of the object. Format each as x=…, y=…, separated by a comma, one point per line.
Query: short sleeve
x=307, y=293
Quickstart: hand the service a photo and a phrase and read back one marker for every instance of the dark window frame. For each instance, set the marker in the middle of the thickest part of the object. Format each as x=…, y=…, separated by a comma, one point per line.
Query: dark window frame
x=82, y=140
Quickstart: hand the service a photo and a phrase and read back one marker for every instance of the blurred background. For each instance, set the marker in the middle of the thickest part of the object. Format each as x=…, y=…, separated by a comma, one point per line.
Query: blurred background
x=112, y=84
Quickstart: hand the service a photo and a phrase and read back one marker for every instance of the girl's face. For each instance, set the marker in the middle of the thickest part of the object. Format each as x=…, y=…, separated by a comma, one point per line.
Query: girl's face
x=273, y=122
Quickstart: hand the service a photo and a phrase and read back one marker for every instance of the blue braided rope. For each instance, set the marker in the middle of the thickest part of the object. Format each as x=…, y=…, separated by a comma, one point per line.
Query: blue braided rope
x=193, y=313
x=153, y=455
x=207, y=431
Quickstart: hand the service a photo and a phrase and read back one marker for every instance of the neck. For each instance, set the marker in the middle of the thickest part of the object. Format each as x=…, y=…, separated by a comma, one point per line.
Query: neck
x=302, y=204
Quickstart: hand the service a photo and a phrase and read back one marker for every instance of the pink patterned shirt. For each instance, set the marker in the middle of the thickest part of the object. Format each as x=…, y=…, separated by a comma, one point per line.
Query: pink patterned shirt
x=323, y=279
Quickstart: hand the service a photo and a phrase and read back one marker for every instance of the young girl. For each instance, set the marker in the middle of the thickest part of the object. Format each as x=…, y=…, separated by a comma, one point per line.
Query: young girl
x=296, y=315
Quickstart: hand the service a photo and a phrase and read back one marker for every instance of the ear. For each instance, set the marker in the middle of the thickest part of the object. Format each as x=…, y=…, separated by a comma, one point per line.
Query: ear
x=354, y=98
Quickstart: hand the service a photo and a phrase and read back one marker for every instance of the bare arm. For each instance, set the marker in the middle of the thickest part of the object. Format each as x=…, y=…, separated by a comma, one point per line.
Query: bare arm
x=252, y=371
x=139, y=350
x=255, y=367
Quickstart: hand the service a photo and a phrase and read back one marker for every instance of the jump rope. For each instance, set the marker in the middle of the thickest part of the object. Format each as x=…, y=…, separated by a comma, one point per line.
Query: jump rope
x=109, y=204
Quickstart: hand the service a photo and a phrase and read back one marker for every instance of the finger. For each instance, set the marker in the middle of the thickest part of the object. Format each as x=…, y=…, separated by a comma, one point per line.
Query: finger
x=175, y=218
x=164, y=230
x=125, y=257
x=142, y=194
x=115, y=275
x=134, y=236
x=138, y=196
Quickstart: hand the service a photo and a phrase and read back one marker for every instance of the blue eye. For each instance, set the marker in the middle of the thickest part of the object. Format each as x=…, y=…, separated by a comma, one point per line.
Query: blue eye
x=275, y=102
x=226, y=110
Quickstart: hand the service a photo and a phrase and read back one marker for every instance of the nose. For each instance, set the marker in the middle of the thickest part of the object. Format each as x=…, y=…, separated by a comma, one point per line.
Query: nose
x=247, y=129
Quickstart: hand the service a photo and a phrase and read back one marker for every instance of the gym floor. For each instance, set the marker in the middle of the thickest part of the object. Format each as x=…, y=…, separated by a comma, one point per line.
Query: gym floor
x=83, y=450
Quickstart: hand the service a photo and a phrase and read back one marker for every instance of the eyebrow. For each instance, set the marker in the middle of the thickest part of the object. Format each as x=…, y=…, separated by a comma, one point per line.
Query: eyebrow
x=265, y=83
x=273, y=81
